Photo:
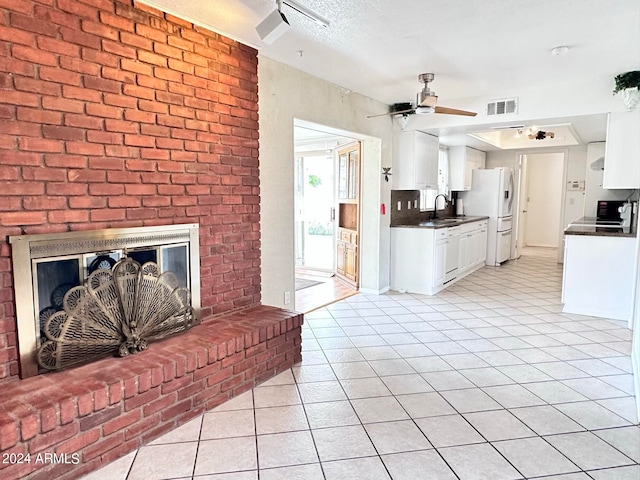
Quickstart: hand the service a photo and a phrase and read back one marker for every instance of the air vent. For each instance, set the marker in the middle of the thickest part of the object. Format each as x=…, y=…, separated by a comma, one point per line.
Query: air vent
x=502, y=107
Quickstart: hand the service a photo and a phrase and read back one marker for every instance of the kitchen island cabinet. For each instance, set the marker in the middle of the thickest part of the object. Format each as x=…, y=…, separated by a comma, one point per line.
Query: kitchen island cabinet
x=598, y=275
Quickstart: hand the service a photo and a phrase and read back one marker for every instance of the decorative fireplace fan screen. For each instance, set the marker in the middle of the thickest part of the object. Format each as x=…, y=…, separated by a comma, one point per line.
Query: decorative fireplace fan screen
x=118, y=311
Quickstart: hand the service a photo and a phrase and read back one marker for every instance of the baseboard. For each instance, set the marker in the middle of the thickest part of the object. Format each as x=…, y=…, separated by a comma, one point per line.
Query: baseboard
x=371, y=291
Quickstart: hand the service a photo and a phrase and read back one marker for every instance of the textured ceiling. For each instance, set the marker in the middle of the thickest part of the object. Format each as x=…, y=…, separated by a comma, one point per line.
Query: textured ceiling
x=478, y=49
x=475, y=47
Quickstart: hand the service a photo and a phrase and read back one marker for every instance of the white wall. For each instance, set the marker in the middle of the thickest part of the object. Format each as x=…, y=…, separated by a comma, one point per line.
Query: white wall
x=287, y=95
x=544, y=206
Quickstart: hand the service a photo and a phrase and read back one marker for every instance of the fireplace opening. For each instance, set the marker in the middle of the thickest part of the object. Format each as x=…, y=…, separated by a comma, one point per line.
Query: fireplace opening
x=47, y=267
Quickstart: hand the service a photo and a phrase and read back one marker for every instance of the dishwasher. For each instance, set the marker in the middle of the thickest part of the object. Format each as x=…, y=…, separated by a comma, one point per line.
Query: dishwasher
x=451, y=258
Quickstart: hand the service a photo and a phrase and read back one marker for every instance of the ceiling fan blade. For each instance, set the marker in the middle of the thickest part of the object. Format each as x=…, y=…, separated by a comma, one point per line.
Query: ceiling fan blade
x=399, y=112
x=429, y=101
x=454, y=111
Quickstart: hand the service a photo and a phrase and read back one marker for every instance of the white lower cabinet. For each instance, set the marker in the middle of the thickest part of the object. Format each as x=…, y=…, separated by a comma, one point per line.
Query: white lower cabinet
x=419, y=256
x=440, y=259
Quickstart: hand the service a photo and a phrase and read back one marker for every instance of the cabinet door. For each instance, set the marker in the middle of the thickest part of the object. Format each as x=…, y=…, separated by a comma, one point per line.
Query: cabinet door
x=482, y=245
x=415, y=161
x=439, y=262
x=350, y=262
x=464, y=254
x=340, y=256
x=622, y=151
x=426, y=161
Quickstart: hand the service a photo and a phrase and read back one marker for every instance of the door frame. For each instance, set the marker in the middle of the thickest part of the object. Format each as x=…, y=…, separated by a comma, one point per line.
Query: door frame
x=518, y=162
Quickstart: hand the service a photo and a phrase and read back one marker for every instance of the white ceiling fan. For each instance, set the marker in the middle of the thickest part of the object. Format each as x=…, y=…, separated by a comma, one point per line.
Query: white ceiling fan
x=426, y=103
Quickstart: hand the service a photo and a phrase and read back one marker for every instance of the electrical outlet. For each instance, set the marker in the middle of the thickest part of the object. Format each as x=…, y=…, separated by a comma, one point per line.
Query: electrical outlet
x=287, y=297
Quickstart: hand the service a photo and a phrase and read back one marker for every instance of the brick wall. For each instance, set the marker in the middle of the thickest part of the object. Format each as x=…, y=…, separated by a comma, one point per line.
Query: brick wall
x=114, y=114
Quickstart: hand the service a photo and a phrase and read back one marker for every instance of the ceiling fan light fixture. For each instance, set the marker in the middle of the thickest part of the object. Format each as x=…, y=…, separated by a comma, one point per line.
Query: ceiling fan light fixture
x=424, y=110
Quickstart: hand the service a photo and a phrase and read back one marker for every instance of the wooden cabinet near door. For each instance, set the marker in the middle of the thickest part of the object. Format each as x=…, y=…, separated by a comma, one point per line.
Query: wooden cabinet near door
x=347, y=257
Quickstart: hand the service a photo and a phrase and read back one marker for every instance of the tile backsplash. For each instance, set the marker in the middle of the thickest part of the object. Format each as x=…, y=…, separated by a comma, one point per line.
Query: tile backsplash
x=405, y=208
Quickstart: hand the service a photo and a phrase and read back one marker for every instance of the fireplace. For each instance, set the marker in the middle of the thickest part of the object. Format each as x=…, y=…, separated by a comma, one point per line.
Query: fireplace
x=47, y=266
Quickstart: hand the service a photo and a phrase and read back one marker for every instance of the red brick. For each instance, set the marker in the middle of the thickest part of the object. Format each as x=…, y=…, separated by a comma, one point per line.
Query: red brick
x=152, y=33
x=38, y=116
x=107, y=215
x=118, y=49
x=40, y=145
x=136, y=41
x=81, y=94
x=135, y=66
x=16, y=35
x=99, y=29
x=20, y=98
x=140, y=92
x=63, y=104
x=116, y=21
x=44, y=203
x=62, y=133
x=81, y=148
x=9, y=219
x=36, y=86
x=50, y=15
x=29, y=426
x=102, y=58
x=80, y=38
x=79, y=442
x=152, y=58
x=70, y=216
x=101, y=84
x=121, y=422
x=104, y=111
x=80, y=66
x=102, y=446
x=22, y=6
x=56, y=46
x=79, y=9
x=29, y=23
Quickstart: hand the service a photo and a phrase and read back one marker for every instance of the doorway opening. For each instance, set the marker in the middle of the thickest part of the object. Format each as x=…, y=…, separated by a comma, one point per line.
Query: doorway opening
x=320, y=214
x=540, y=201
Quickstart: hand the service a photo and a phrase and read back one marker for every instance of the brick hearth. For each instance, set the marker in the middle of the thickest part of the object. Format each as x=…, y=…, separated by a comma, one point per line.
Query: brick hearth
x=108, y=408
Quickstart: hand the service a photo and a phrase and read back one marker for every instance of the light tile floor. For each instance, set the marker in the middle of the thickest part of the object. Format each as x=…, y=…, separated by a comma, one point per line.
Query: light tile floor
x=486, y=380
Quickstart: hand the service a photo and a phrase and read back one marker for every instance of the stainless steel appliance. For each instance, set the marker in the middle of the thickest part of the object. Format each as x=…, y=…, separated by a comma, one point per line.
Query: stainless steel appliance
x=491, y=195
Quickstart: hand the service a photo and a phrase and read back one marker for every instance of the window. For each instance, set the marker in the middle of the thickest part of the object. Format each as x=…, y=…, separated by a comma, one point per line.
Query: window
x=427, y=198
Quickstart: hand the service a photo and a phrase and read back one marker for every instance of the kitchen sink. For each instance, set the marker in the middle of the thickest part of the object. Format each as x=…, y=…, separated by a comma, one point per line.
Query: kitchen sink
x=444, y=220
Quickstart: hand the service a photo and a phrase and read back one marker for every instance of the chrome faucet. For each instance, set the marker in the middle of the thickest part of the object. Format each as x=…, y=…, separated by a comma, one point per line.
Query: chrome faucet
x=435, y=204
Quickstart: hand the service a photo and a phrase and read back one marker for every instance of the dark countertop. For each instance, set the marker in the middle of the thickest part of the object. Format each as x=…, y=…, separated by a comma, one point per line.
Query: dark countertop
x=450, y=222
x=598, y=228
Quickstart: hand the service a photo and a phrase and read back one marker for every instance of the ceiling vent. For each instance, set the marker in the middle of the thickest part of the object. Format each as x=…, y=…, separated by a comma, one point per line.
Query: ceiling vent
x=507, y=106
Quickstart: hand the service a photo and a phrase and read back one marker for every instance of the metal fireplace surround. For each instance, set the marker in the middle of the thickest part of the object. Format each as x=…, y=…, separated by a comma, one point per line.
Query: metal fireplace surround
x=29, y=251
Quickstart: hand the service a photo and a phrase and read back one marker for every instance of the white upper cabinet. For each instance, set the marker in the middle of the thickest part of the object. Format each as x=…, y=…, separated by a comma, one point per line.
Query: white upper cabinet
x=462, y=161
x=622, y=151
x=415, y=160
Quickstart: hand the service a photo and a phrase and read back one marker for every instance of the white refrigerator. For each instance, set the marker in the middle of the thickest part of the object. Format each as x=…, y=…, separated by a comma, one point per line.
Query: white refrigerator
x=491, y=195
